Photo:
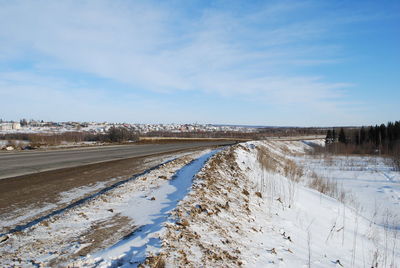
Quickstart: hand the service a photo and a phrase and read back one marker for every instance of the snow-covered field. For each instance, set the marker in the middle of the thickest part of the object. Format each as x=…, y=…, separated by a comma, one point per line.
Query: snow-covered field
x=249, y=205
x=371, y=181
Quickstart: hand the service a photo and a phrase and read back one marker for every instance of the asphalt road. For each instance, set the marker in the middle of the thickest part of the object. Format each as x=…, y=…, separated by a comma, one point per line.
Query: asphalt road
x=14, y=164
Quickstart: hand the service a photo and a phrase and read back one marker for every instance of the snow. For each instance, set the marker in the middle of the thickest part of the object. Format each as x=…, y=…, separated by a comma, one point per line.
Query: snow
x=11, y=143
x=323, y=217
x=374, y=186
x=317, y=142
x=62, y=237
x=249, y=205
x=150, y=215
x=3, y=143
x=240, y=228
x=20, y=215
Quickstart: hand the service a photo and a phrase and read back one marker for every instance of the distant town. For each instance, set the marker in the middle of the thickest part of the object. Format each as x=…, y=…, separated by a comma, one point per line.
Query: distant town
x=40, y=126
x=33, y=134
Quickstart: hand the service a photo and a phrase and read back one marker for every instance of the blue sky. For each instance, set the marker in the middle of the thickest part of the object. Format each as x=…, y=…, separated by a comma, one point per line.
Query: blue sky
x=297, y=63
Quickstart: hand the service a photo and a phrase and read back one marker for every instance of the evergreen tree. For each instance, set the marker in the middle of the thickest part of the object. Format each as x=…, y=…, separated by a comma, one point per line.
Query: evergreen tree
x=396, y=130
x=390, y=131
x=328, y=139
x=371, y=134
x=23, y=122
x=342, y=136
x=333, y=135
x=377, y=136
x=383, y=133
x=363, y=135
x=383, y=138
x=356, y=138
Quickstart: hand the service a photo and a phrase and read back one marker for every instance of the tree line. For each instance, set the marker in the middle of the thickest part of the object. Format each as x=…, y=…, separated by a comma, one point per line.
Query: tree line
x=259, y=134
x=381, y=139
x=379, y=135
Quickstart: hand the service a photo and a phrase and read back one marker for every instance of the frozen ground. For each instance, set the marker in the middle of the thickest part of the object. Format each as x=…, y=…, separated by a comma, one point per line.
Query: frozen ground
x=95, y=224
x=21, y=215
x=248, y=206
x=151, y=217
x=374, y=186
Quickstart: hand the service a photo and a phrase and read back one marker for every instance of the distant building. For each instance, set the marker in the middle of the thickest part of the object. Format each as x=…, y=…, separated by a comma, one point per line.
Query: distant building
x=9, y=126
x=16, y=126
x=5, y=126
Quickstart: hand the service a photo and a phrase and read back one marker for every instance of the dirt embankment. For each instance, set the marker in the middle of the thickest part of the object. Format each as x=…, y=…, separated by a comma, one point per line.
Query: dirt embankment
x=213, y=204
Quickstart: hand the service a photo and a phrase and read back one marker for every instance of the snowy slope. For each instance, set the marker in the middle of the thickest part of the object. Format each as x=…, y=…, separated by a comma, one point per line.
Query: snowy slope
x=238, y=215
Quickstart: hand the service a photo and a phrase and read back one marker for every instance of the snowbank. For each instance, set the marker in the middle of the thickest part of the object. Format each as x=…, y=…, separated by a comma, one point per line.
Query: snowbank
x=243, y=212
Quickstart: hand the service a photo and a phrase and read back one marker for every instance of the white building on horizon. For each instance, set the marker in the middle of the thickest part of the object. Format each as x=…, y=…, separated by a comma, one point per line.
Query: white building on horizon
x=10, y=126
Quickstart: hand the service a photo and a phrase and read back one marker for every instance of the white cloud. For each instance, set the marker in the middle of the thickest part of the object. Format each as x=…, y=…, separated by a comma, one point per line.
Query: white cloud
x=255, y=54
x=25, y=95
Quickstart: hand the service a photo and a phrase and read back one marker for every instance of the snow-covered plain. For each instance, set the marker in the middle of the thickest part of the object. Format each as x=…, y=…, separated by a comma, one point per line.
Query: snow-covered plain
x=249, y=205
x=371, y=181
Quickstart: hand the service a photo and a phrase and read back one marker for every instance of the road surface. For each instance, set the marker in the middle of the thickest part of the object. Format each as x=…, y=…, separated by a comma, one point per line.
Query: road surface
x=14, y=164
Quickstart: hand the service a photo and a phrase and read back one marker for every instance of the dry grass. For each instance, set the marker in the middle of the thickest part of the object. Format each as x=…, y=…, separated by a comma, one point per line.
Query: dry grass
x=266, y=160
x=274, y=163
x=327, y=187
x=396, y=160
x=154, y=262
x=292, y=171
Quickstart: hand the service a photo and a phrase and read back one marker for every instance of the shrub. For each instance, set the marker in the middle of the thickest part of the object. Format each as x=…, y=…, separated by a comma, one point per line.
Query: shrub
x=121, y=134
x=327, y=187
x=265, y=159
x=292, y=171
x=396, y=159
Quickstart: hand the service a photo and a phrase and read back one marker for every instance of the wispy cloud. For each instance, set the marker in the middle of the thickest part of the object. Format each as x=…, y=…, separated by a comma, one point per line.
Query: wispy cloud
x=256, y=53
